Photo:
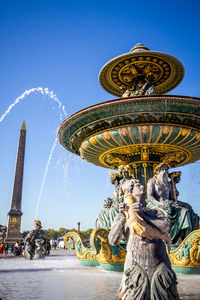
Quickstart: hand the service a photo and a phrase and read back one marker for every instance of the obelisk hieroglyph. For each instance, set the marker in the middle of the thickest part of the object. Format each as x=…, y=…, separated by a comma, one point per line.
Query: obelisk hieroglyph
x=15, y=213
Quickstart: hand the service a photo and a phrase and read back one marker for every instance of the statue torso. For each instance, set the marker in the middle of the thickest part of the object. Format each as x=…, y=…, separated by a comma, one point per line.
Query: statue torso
x=127, y=185
x=161, y=190
x=148, y=253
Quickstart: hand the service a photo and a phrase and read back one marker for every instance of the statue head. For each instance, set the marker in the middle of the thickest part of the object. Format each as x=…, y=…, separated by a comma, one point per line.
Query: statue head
x=107, y=203
x=138, y=190
x=176, y=176
x=37, y=223
x=137, y=194
x=114, y=177
x=125, y=171
x=161, y=171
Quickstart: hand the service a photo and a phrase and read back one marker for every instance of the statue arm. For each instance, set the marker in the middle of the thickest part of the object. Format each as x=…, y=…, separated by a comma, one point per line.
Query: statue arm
x=184, y=204
x=117, y=229
x=158, y=220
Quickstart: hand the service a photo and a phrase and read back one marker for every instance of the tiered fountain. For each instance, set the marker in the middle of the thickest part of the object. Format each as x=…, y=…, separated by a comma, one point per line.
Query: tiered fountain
x=141, y=128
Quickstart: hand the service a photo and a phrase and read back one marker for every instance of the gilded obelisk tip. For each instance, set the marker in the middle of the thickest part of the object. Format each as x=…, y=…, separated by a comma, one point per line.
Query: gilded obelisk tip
x=23, y=126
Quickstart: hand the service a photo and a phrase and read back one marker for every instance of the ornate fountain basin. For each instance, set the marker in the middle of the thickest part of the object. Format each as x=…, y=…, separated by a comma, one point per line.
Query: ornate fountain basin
x=145, y=129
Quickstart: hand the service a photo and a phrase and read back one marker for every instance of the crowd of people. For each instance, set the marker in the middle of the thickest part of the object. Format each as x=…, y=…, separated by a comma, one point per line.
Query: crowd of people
x=18, y=248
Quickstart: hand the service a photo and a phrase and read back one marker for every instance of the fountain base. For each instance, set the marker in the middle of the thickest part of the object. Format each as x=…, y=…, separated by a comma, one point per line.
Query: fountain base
x=185, y=258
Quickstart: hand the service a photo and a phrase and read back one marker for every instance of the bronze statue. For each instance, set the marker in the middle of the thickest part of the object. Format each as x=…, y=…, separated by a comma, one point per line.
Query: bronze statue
x=127, y=184
x=147, y=270
x=138, y=225
x=115, y=179
x=140, y=86
x=3, y=230
x=163, y=195
x=35, y=243
x=104, y=215
x=111, y=206
x=173, y=192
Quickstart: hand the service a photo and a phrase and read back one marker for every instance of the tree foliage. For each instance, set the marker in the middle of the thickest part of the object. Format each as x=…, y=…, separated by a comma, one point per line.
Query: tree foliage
x=53, y=234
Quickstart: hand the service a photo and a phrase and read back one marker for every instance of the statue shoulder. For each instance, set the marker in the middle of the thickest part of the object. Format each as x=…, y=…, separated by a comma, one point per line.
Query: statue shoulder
x=151, y=181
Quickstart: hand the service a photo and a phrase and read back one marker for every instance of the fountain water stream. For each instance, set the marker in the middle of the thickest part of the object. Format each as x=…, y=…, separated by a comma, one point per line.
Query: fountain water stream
x=45, y=175
x=45, y=92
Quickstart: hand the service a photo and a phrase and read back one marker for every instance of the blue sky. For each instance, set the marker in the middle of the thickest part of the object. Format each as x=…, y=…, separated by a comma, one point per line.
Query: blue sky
x=62, y=45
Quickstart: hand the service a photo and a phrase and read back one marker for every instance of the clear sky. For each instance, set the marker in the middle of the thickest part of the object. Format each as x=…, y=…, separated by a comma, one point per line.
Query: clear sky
x=62, y=45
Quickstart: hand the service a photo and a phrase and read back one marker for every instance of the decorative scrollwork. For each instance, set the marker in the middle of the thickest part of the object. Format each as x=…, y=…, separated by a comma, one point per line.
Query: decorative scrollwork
x=99, y=250
x=188, y=253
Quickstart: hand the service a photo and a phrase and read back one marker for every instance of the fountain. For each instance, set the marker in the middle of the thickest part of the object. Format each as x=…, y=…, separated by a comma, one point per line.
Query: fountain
x=143, y=128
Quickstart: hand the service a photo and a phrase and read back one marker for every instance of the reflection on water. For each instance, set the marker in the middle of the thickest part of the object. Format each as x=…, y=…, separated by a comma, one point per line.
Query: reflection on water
x=55, y=278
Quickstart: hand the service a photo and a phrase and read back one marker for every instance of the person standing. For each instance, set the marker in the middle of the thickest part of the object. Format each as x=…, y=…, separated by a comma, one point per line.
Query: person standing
x=6, y=247
x=1, y=248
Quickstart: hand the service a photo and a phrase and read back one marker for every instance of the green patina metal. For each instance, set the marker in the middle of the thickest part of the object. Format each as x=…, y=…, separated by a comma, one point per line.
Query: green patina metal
x=115, y=132
x=112, y=267
x=186, y=257
x=173, y=110
x=186, y=270
x=98, y=252
x=89, y=263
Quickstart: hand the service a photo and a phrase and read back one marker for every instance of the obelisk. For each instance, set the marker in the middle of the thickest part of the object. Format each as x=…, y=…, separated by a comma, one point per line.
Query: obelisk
x=15, y=213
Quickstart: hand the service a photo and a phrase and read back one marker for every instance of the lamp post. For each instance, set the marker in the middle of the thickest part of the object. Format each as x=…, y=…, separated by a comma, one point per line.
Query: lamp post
x=79, y=227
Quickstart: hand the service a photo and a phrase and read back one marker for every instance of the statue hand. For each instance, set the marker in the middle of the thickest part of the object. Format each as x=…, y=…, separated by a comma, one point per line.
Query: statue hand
x=164, y=204
x=136, y=207
x=122, y=207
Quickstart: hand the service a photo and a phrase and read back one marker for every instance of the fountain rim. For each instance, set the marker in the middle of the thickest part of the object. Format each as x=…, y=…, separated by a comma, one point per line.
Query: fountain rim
x=118, y=100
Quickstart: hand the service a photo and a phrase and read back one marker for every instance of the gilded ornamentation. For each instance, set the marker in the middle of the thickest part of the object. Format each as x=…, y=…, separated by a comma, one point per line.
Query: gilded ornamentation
x=135, y=113
x=123, y=131
x=128, y=72
x=145, y=153
x=165, y=70
x=82, y=251
x=134, y=166
x=108, y=253
x=84, y=145
x=118, y=159
x=166, y=129
x=174, y=155
x=107, y=135
x=198, y=136
x=93, y=140
x=126, y=168
x=173, y=159
x=188, y=253
x=98, y=251
x=145, y=129
x=185, y=131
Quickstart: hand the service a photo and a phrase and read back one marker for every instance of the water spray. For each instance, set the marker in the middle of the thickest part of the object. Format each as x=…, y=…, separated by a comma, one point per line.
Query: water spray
x=43, y=91
x=45, y=175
